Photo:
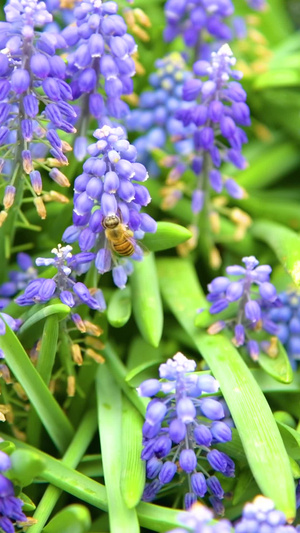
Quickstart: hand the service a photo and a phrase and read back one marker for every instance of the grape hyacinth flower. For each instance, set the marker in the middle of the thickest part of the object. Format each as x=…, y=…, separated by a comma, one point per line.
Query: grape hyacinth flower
x=10, y=507
x=287, y=319
x=180, y=432
x=200, y=519
x=18, y=279
x=101, y=65
x=156, y=112
x=251, y=314
x=193, y=18
x=261, y=516
x=33, y=93
x=110, y=185
x=218, y=114
x=64, y=285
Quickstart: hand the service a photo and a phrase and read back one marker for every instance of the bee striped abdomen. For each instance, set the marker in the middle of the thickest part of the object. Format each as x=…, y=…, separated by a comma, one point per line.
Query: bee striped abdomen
x=124, y=248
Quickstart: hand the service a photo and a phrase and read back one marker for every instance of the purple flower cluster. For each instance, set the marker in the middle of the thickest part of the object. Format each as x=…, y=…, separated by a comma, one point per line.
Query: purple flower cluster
x=32, y=90
x=10, y=506
x=260, y=516
x=110, y=185
x=101, y=65
x=287, y=320
x=18, y=279
x=200, y=519
x=64, y=285
x=156, y=112
x=184, y=425
x=193, y=18
x=217, y=115
x=251, y=313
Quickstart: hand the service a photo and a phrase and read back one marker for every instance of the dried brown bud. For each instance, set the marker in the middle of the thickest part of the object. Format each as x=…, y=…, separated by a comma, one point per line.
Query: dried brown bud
x=76, y=354
x=96, y=356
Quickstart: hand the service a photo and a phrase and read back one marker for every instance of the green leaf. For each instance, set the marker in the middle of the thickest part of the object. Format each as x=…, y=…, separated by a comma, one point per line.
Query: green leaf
x=245, y=481
x=110, y=429
x=268, y=384
x=167, y=235
x=146, y=300
x=285, y=77
x=119, y=308
x=7, y=447
x=132, y=466
x=59, y=309
x=28, y=505
x=51, y=415
x=284, y=242
x=146, y=370
x=278, y=367
x=26, y=465
x=73, y=519
x=151, y=516
x=250, y=411
x=291, y=439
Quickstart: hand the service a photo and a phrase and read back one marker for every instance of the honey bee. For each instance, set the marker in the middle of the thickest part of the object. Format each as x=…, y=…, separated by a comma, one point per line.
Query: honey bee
x=120, y=238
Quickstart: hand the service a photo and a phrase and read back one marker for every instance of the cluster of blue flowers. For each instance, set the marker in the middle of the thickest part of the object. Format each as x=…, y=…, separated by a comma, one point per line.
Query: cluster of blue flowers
x=253, y=307
x=33, y=92
x=221, y=110
x=10, y=507
x=182, y=425
x=192, y=18
x=260, y=516
x=287, y=319
x=18, y=279
x=101, y=61
x=110, y=185
x=156, y=112
x=64, y=285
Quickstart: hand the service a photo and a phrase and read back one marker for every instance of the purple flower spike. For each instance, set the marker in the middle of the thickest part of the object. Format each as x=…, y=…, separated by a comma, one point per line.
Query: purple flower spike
x=253, y=313
x=172, y=431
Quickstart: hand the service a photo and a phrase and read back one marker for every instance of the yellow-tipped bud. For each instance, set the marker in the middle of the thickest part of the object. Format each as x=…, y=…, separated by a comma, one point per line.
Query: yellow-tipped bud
x=272, y=349
x=66, y=147
x=3, y=217
x=71, y=387
x=214, y=220
x=53, y=196
x=76, y=354
x=40, y=207
x=9, y=196
x=59, y=177
x=141, y=17
x=94, y=343
x=215, y=259
x=92, y=329
x=215, y=328
x=96, y=356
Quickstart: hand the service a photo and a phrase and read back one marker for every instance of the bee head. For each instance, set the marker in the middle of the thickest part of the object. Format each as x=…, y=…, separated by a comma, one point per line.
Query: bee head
x=110, y=221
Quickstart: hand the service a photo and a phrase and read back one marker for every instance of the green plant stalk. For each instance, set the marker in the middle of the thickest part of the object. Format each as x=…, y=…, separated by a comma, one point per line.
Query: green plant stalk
x=71, y=458
x=44, y=367
x=120, y=372
x=109, y=401
x=252, y=415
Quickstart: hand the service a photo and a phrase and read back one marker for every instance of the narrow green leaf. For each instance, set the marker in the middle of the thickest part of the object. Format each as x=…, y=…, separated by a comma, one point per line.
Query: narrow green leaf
x=51, y=415
x=286, y=77
x=284, y=242
x=72, y=519
x=28, y=505
x=119, y=308
x=245, y=482
x=132, y=466
x=146, y=370
x=291, y=439
x=295, y=468
x=278, y=367
x=273, y=163
x=167, y=235
x=110, y=429
x=146, y=300
x=251, y=413
x=60, y=310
